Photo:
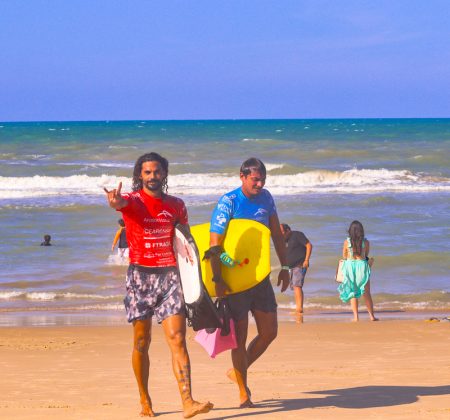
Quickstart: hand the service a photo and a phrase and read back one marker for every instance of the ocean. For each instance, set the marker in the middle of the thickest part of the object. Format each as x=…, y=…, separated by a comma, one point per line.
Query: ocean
x=391, y=174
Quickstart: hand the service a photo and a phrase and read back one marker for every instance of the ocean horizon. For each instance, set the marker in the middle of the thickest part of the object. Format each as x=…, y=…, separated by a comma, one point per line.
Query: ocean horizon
x=391, y=174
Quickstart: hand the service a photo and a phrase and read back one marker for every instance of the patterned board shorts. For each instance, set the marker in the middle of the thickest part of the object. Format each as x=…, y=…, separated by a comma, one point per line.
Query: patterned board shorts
x=153, y=291
x=297, y=276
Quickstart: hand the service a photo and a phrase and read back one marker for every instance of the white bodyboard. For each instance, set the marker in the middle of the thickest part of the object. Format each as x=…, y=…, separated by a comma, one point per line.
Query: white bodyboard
x=188, y=261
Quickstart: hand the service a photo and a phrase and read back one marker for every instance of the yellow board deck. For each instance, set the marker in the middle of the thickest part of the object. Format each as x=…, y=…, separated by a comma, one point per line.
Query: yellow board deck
x=244, y=239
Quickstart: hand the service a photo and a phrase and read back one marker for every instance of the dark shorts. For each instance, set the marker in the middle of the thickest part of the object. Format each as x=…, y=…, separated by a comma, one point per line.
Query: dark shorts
x=297, y=277
x=258, y=298
x=153, y=291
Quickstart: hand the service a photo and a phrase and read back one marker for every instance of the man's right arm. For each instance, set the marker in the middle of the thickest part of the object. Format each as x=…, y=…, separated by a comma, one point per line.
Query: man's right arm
x=115, y=199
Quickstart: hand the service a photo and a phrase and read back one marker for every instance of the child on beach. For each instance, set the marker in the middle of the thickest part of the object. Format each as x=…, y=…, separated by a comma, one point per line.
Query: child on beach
x=121, y=237
x=356, y=270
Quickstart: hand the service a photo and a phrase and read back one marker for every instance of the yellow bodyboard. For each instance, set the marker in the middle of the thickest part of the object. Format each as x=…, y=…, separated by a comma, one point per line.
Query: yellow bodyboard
x=244, y=240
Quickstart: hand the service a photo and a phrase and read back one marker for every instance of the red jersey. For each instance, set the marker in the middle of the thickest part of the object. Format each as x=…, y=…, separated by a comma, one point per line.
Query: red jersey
x=150, y=224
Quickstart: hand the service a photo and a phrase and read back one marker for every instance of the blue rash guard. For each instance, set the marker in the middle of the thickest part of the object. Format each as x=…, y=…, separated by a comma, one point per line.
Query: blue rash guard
x=235, y=205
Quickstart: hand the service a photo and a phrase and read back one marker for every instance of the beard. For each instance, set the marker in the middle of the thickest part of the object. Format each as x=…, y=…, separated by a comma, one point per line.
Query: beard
x=154, y=185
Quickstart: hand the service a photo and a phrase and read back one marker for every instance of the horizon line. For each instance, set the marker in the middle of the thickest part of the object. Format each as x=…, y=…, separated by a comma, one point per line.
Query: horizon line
x=222, y=119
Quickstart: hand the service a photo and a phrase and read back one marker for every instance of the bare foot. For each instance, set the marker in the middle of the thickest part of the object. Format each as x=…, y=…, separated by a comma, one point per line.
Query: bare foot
x=246, y=404
x=194, y=408
x=147, y=409
x=355, y=320
x=374, y=319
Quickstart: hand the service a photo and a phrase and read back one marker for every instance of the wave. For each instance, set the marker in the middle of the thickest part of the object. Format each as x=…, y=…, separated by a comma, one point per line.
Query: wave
x=52, y=296
x=435, y=300
x=201, y=184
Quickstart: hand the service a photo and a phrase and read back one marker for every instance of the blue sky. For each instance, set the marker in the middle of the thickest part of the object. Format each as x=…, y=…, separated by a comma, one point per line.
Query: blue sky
x=207, y=59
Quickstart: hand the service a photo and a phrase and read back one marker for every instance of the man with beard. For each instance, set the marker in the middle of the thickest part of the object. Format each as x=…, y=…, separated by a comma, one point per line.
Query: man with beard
x=153, y=285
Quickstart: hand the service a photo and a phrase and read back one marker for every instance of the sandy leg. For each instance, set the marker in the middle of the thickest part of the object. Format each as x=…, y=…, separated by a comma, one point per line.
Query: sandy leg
x=245, y=402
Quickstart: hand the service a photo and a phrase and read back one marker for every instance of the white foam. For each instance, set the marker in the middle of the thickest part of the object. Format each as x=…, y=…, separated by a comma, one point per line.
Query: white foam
x=41, y=296
x=272, y=166
x=51, y=296
x=97, y=164
x=11, y=295
x=203, y=184
x=256, y=140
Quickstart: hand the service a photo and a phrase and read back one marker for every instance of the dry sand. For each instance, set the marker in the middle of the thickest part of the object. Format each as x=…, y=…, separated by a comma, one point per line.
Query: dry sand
x=329, y=370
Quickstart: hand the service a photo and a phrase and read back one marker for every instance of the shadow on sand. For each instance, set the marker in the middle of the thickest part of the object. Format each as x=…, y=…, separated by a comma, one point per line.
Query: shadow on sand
x=356, y=398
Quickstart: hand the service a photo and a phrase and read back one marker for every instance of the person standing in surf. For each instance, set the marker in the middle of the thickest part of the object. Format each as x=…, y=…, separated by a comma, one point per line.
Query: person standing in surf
x=121, y=238
x=249, y=201
x=356, y=270
x=152, y=284
x=299, y=250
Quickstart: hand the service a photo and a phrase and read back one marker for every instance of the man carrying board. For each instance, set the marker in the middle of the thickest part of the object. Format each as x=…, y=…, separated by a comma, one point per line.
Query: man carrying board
x=250, y=201
x=153, y=285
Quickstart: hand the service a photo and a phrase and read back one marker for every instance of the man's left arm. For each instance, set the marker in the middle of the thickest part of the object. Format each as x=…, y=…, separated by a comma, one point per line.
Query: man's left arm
x=308, y=254
x=280, y=248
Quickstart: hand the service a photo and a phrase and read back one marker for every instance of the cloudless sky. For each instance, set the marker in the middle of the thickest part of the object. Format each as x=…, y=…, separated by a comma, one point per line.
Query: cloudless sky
x=208, y=59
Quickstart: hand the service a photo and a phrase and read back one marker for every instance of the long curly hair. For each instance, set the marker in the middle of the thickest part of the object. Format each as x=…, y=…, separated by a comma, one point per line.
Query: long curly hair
x=356, y=234
x=149, y=157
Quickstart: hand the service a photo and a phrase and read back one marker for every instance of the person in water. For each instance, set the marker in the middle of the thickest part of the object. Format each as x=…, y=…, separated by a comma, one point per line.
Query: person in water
x=299, y=250
x=47, y=239
x=121, y=238
x=356, y=270
x=153, y=285
x=249, y=201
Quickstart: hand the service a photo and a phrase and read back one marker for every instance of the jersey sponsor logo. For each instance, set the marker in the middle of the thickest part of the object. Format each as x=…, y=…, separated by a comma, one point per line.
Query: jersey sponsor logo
x=227, y=199
x=221, y=219
x=260, y=212
x=159, y=220
x=158, y=231
x=222, y=207
x=165, y=213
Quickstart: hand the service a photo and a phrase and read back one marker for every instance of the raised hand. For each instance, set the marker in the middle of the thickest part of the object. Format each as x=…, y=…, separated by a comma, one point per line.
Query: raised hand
x=115, y=199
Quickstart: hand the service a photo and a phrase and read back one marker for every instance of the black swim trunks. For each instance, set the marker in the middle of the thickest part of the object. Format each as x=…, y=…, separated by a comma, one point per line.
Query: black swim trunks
x=153, y=291
x=259, y=298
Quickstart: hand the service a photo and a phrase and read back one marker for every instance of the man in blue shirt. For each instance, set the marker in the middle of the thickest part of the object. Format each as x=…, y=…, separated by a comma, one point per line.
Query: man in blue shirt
x=250, y=201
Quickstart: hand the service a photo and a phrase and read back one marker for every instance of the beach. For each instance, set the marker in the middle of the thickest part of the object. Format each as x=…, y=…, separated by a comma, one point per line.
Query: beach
x=64, y=343
x=397, y=369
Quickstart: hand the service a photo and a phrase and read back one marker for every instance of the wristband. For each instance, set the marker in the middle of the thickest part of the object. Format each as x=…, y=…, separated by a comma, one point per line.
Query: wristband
x=285, y=267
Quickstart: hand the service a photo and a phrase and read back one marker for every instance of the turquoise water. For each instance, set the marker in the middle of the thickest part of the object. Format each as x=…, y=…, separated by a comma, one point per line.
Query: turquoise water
x=392, y=175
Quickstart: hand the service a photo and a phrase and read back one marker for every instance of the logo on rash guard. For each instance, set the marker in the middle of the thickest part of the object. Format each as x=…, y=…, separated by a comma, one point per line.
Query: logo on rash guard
x=223, y=207
x=164, y=213
x=260, y=212
x=221, y=219
x=228, y=199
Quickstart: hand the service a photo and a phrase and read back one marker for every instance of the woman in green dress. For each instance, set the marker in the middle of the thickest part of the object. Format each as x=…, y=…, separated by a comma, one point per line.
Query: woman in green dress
x=356, y=270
